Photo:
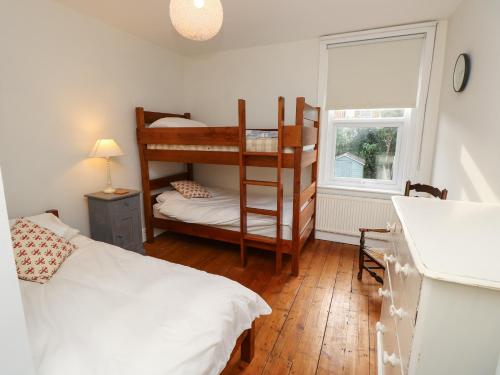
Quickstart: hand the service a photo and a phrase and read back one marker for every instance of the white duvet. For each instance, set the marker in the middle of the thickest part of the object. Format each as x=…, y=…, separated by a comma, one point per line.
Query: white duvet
x=222, y=209
x=110, y=311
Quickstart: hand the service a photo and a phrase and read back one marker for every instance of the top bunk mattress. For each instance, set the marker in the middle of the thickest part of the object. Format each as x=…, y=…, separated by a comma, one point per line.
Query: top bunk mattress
x=260, y=144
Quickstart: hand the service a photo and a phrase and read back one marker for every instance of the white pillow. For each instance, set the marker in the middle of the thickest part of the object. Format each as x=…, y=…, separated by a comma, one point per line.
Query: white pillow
x=177, y=122
x=53, y=223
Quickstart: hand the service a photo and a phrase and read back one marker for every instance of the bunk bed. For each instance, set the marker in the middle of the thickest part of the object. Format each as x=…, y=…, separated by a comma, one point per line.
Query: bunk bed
x=296, y=148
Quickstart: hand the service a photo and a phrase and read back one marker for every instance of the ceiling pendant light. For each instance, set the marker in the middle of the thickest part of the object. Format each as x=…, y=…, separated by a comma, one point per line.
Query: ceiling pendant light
x=198, y=20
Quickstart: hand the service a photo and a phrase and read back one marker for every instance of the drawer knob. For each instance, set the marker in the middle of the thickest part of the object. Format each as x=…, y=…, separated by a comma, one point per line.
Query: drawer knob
x=379, y=327
x=402, y=270
x=384, y=293
x=391, y=359
x=400, y=313
x=391, y=227
x=389, y=258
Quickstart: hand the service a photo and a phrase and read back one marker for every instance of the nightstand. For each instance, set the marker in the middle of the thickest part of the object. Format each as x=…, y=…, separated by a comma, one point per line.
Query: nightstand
x=116, y=219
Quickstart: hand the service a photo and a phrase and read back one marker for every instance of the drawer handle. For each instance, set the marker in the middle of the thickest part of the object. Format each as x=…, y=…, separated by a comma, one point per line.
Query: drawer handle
x=389, y=258
x=384, y=293
x=400, y=313
x=391, y=359
x=402, y=270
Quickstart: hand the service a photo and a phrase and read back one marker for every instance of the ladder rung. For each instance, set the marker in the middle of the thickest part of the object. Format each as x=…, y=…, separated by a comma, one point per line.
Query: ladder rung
x=260, y=183
x=257, y=238
x=260, y=153
x=261, y=211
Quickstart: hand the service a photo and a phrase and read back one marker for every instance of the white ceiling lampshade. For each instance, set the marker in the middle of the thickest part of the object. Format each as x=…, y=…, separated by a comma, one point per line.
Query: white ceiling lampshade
x=198, y=20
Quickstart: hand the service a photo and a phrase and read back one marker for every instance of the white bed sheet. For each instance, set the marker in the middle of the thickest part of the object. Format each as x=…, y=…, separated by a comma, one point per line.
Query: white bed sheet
x=111, y=311
x=222, y=210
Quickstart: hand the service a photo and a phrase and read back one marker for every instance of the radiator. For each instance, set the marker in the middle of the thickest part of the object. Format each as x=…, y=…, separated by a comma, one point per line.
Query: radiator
x=344, y=215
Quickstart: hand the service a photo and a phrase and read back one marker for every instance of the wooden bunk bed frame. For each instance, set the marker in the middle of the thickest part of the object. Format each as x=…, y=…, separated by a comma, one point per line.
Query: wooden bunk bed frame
x=294, y=136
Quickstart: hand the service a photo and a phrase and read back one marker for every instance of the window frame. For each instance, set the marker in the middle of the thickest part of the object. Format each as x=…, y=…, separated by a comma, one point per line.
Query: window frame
x=400, y=162
x=411, y=146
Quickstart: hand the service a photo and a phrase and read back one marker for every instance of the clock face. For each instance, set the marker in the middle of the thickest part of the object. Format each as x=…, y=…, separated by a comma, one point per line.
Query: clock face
x=461, y=73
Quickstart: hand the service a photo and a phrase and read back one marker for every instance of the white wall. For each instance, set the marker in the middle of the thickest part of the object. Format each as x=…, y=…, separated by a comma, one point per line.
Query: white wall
x=213, y=84
x=15, y=354
x=467, y=151
x=66, y=80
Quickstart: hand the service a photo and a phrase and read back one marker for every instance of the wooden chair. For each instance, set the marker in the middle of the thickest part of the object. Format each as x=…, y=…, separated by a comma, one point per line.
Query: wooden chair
x=371, y=259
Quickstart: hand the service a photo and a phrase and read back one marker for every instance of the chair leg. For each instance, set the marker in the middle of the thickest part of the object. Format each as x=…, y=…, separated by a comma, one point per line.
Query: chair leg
x=361, y=263
x=361, y=255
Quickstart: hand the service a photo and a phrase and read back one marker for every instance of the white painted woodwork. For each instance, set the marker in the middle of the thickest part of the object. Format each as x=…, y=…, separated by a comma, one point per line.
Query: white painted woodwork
x=441, y=289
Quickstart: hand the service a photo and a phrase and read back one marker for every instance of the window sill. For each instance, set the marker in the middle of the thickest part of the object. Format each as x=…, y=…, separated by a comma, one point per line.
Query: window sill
x=357, y=192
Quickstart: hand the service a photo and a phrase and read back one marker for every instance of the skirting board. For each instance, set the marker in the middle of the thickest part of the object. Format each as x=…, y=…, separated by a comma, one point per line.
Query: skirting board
x=348, y=239
x=320, y=235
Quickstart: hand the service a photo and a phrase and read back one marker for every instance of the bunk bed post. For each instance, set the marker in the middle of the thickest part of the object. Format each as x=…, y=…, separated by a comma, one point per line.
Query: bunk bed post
x=297, y=173
x=146, y=190
x=189, y=165
x=243, y=187
x=314, y=172
x=279, y=200
x=189, y=171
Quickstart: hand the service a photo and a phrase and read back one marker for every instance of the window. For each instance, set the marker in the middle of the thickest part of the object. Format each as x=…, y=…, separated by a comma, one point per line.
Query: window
x=387, y=69
x=365, y=147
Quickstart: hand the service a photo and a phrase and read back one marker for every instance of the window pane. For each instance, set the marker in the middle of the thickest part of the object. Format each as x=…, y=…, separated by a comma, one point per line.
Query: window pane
x=357, y=114
x=365, y=152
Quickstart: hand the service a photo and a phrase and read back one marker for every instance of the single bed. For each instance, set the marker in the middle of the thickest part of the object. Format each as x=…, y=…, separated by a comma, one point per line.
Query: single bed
x=111, y=311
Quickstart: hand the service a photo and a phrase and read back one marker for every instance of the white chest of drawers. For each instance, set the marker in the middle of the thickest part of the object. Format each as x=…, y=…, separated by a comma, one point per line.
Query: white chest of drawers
x=441, y=293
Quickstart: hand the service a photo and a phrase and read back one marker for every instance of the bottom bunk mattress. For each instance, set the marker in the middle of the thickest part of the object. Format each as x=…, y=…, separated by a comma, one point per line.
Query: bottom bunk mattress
x=108, y=311
x=222, y=211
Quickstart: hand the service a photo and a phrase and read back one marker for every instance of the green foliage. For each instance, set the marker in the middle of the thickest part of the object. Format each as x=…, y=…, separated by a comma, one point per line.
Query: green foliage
x=376, y=146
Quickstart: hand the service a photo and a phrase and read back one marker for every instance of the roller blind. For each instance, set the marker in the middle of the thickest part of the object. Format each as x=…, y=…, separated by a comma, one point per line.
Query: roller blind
x=376, y=74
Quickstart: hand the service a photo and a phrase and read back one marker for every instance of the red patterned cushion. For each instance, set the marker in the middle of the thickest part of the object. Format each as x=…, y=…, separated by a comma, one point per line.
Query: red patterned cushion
x=39, y=252
x=191, y=189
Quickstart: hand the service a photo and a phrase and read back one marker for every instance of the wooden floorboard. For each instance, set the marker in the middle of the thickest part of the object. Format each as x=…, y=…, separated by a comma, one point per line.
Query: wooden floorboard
x=323, y=321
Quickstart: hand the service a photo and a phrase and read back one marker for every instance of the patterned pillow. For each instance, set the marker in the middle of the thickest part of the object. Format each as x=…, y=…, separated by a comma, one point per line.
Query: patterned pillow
x=39, y=252
x=191, y=189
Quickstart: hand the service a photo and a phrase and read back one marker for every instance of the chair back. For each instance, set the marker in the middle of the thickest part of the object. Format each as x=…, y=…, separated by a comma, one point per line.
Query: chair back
x=422, y=188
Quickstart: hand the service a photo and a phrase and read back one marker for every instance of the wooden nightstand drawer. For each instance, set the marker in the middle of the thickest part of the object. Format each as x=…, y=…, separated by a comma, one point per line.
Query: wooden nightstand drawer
x=116, y=219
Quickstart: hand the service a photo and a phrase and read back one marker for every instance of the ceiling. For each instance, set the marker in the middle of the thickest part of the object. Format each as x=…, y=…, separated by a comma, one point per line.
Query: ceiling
x=258, y=22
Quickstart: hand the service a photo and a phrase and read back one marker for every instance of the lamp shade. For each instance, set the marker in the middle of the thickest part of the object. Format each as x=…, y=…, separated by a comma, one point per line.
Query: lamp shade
x=105, y=148
x=197, y=20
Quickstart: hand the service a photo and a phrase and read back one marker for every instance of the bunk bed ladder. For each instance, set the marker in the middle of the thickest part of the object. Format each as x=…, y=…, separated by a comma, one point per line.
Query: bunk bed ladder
x=247, y=238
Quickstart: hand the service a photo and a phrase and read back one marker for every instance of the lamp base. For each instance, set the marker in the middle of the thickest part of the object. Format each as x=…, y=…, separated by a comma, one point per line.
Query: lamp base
x=109, y=190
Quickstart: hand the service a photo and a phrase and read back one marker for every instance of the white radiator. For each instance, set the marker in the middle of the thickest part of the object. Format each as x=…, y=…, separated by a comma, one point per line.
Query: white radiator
x=344, y=215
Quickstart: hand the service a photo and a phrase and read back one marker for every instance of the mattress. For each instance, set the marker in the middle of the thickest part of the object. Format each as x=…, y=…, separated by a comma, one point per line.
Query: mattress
x=261, y=144
x=223, y=211
x=108, y=311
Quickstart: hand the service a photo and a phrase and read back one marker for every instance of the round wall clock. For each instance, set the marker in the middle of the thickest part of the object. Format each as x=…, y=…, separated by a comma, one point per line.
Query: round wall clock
x=461, y=72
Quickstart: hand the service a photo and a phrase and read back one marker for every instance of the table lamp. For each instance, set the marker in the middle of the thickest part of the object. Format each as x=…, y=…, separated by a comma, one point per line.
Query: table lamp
x=106, y=148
